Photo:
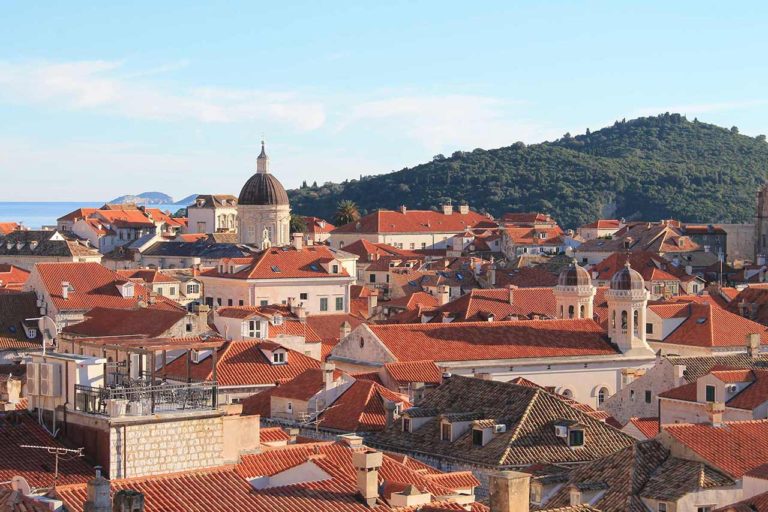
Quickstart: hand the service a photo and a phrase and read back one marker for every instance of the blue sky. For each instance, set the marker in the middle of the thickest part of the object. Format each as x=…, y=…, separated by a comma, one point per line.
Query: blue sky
x=104, y=98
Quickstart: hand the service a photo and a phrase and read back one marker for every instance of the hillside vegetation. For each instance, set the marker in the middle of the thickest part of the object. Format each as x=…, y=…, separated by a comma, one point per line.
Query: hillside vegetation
x=648, y=168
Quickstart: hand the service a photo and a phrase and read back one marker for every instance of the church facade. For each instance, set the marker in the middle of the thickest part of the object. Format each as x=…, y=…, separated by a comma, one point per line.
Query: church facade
x=263, y=211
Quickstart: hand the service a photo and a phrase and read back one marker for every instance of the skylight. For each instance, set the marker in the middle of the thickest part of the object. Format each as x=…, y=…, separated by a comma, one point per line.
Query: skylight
x=314, y=267
x=275, y=268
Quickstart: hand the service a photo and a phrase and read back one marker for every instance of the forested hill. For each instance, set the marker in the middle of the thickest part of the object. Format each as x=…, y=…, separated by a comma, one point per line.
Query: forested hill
x=648, y=168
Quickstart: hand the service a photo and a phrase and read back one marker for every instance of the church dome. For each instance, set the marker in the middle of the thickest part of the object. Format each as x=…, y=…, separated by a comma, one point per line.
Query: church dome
x=262, y=188
x=627, y=279
x=574, y=275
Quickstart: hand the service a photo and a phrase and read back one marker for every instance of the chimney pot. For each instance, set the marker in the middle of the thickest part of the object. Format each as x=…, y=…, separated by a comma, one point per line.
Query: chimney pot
x=509, y=491
x=367, y=466
x=65, y=290
x=298, y=239
x=715, y=411
x=127, y=500
x=753, y=345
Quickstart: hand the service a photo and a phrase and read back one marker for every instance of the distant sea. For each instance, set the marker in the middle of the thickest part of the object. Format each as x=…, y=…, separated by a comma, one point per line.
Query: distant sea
x=35, y=215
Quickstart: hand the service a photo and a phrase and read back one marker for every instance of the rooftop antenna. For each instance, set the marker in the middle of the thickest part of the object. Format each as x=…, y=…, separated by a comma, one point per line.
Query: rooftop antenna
x=56, y=452
x=48, y=329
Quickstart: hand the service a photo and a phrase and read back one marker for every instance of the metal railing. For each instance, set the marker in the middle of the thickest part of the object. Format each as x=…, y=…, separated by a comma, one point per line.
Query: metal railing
x=142, y=400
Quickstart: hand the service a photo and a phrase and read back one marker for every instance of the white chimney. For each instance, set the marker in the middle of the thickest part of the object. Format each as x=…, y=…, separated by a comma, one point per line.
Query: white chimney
x=575, y=496
x=509, y=491
x=344, y=330
x=367, y=466
x=447, y=208
x=373, y=301
x=403, y=209
x=328, y=369
x=464, y=208
x=511, y=289
x=297, y=240
x=65, y=290
x=443, y=294
x=753, y=345
x=492, y=276
x=715, y=412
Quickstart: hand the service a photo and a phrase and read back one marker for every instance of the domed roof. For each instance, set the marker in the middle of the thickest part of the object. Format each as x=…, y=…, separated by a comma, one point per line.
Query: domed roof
x=627, y=279
x=574, y=275
x=263, y=189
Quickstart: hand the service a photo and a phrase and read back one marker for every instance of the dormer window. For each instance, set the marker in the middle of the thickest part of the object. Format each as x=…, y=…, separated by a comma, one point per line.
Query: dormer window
x=477, y=437
x=278, y=357
x=335, y=269
x=445, y=432
x=710, y=393
x=406, y=424
x=254, y=329
x=575, y=438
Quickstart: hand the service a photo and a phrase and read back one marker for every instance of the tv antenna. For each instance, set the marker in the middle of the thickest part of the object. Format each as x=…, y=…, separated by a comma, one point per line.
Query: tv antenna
x=57, y=452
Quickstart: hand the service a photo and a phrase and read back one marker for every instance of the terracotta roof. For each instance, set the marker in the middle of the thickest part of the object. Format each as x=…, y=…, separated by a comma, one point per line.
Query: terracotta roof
x=662, y=237
x=649, y=427
x=151, y=322
x=12, y=276
x=91, y=285
x=604, y=224
x=305, y=385
x=371, y=251
x=494, y=340
x=650, y=265
x=14, y=310
x=45, y=243
x=80, y=213
x=328, y=327
x=7, y=227
x=273, y=435
x=525, y=277
x=749, y=398
x=124, y=218
x=754, y=300
x=242, y=363
x=735, y=448
x=478, y=304
x=284, y=263
x=757, y=503
x=413, y=301
x=15, y=501
x=524, y=218
x=528, y=413
x=711, y=326
x=361, y=408
x=415, y=221
x=147, y=275
x=414, y=371
x=317, y=225
x=553, y=235
x=36, y=466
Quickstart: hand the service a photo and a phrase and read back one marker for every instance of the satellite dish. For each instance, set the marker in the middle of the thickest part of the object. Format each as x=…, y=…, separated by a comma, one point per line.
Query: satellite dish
x=19, y=483
x=47, y=327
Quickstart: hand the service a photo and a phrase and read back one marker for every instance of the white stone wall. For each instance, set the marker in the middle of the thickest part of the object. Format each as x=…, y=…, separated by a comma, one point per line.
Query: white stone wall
x=165, y=447
x=252, y=219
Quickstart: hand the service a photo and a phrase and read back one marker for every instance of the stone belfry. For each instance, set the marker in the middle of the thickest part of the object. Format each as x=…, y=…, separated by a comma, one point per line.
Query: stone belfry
x=761, y=224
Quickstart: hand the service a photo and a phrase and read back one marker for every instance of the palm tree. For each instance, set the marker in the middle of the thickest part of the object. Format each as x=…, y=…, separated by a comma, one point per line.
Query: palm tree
x=346, y=212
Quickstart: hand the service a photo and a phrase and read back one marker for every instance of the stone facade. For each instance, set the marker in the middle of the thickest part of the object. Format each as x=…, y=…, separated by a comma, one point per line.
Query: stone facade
x=254, y=220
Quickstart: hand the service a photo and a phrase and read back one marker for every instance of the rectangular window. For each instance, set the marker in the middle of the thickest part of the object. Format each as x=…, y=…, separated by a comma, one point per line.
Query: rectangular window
x=324, y=304
x=240, y=302
x=172, y=291
x=335, y=269
x=710, y=392
x=423, y=245
x=339, y=303
x=263, y=302
x=372, y=277
x=648, y=328
x=406, y=424
x=229, y=302
x=477, y=437
x=445, y=432
x=648, y=396
x=413, y=245
x=289, y=407
x=218, y=301
x=303, y=296
x=193, y=288
x=576, y=438
x=254, y=329
x=705, y=508
x=278, y=357
x=662, y=507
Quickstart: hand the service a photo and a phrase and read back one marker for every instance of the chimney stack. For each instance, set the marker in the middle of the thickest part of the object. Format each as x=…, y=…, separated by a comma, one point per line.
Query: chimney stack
x=65, y=290
x=575, y=496
x=715, y=411
x=297, y=240
x=128, y=501
x=443, y=294
x=301, y=313
x=417, y=389
x=511, y=289
x=344, y=330
x=97, y=491
x=390, y=407
x=328, y=369
x=447, y=208
x=509, y=491
x=492, y=276
x=464, y=208
x=367, y=466
x=403, y=209
x=373, y=301
x=753, y=345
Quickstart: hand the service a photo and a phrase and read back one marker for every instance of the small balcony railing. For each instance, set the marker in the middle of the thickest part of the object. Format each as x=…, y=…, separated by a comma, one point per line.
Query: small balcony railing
x=143, y=400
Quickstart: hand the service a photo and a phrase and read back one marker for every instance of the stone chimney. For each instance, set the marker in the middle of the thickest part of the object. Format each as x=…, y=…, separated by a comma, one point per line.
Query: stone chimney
x=464, y=208
x=447, y=208
x=390, y=407
x=492, y=276
x=293, y=433
x=373, y=301
x=65, y=290
x=328, y=369
x=511, y=289
x=367, y=466
x=715, y=412
x=575, y=496
x=297, y=240
x=689, y=270
x=128, y=501
x=403, y=209
x=97, y=491
x=753, y=345
x=509, y=491
x=417, y=390
x=443, y=294
x=301, y=312
x=344, y=330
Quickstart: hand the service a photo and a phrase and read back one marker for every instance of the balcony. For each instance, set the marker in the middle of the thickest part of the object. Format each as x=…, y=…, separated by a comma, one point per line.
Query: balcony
x=144, y=399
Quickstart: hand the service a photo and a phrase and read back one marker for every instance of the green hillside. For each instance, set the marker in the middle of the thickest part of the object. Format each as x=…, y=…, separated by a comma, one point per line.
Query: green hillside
x=648, y=168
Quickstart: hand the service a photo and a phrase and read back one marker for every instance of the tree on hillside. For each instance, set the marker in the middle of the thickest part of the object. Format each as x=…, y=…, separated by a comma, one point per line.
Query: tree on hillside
x=180, y=213
x=346, y=212
x=297, y=224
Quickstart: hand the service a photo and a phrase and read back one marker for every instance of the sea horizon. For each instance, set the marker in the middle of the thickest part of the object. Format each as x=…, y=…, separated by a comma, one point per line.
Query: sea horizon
x=39, y=214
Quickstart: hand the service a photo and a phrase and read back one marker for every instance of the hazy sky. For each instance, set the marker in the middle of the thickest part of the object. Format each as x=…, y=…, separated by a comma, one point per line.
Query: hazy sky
x=104, y=98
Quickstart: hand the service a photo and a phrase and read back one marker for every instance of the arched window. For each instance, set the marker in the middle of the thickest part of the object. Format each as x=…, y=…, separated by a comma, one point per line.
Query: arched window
x=570, y=311
x=602, y=395
x=636, y=321
x=581, y=311
x=624, y=320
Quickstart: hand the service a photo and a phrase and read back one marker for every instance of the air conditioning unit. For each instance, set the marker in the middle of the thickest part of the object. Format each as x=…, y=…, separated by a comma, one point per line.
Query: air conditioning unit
x=732, y=388
x=561, y=431
x=50, y=379
x=499, y=428
x=33, y=379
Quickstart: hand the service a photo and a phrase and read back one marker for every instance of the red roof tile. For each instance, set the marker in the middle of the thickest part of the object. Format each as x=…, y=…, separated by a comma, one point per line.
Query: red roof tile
x=151, y=322
x=648, y=426
x=414, y=371
x=361, y=408
x=147, y=275
x=284, y=263
x=273, y=435
x=712, y=326
x=735, y=448
x=415, y=221
x=494, y=340
x=7, y=227
x=80, y=213
x=305, y=385
x=553, y=235
x=12, y=276
x=317, y=225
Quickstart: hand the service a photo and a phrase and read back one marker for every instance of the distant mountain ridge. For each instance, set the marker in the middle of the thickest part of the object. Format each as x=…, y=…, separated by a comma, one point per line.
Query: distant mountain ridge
x=648, y=168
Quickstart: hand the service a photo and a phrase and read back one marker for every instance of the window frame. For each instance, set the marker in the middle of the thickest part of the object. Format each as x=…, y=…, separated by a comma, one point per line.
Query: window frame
x=323, y=303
